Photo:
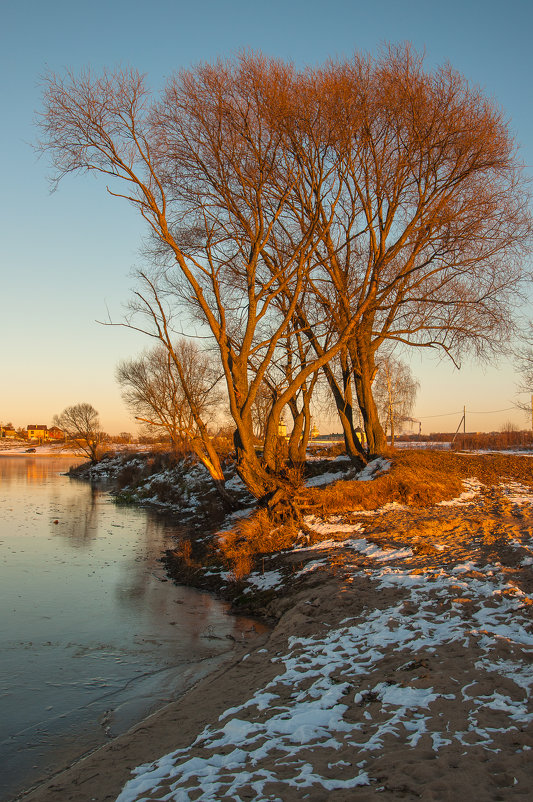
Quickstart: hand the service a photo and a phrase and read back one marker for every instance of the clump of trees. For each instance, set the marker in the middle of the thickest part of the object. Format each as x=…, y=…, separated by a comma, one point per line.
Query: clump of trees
x=80, y=424
x=510, y=436
x=306, y=221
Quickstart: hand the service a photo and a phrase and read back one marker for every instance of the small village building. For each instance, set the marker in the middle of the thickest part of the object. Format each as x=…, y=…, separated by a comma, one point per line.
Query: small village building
x=55, y=433
x=37, y=431
x=7, y=432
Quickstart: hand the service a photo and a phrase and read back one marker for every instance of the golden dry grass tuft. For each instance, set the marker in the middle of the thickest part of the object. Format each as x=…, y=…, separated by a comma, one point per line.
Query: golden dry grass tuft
x=418, y=479
x=251, y=537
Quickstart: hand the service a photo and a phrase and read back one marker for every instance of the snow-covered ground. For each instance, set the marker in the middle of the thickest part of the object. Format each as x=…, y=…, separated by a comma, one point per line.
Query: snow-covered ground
x=402, y=667
x=9, y=449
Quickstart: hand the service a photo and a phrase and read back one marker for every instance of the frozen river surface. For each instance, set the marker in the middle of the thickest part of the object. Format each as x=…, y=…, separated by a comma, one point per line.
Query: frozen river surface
x=92, y=636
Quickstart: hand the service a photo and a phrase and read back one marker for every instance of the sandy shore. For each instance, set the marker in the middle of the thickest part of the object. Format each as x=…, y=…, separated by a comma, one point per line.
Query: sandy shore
x=400, y=668
x=101, y=775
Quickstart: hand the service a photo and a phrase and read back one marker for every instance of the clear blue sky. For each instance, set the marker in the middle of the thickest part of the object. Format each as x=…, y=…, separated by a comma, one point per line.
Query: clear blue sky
x=65, y=258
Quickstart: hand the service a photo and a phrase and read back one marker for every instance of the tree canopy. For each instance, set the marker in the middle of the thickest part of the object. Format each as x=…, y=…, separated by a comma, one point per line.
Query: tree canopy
x=80, y=423
x=303, y=216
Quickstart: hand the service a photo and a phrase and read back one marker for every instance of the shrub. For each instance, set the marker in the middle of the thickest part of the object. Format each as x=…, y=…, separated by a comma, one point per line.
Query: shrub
x=240, y=547
x=128, y=475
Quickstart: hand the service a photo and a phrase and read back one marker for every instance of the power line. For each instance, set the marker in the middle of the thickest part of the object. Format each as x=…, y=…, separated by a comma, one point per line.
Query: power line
x=491, y=411
x=444, y=415
x=470, y=412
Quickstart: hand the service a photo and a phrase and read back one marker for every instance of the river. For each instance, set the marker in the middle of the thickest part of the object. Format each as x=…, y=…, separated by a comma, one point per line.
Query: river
x=93, y=637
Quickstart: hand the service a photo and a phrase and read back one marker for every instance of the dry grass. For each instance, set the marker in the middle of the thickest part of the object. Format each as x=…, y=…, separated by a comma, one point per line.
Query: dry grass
x=419, y=479
x=416, y=478
x=251, y=537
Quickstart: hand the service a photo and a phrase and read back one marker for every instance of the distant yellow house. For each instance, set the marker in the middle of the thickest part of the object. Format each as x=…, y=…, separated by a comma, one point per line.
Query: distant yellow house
x=37, y=431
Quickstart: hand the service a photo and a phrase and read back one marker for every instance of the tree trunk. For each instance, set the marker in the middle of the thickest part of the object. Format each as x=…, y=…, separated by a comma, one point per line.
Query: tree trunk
x=302, y=446
x=298, y=420
x=301, y=426
x=377, y=442
x=364, y=372
x=263, y=477
x=259, y=481
x=354, y=447
x=211, y=461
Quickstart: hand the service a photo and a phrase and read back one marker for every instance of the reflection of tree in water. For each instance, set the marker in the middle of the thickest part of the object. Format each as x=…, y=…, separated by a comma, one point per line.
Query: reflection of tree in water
x=144, y=586
x=145, y=564
x=79, y=518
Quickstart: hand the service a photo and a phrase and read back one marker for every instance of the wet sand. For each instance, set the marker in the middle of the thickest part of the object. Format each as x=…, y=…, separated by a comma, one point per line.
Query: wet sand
x=101, y=774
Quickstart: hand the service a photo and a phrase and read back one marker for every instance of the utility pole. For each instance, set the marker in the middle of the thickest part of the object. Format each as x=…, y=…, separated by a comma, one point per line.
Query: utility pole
x=463, y=421
x=532, y=412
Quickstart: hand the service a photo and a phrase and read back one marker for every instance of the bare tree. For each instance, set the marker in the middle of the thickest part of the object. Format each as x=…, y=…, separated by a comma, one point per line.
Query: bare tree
x=394, y=392
x=432, y=222
x=509, y=427
x=523, y=360
x=176, y=391
x=260, y=410
x=212, y=169
x=80, y=424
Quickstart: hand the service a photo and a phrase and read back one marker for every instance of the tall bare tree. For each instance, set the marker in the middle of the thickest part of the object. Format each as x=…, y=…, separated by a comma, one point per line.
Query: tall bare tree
x=358, y=202
x=80, y=424
x=211, y=169
x=432, y=221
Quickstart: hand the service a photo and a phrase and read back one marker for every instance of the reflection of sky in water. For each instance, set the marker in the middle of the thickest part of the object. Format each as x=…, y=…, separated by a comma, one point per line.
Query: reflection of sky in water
x=88, y=622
